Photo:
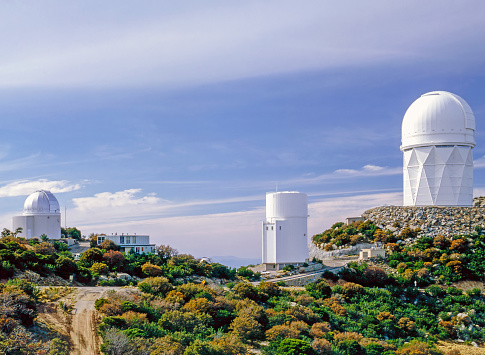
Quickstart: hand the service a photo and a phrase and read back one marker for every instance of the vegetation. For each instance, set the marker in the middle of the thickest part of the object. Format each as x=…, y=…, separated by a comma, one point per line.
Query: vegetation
x=399, y=305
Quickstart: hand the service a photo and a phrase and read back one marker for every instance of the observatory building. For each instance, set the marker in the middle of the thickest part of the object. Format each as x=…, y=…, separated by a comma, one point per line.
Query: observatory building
x=41, y=215
x=285, y=229
x=438, y=134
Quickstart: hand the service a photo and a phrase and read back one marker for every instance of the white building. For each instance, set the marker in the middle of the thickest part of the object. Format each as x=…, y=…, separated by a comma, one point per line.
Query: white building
x=285, y=229
x=372, y=253
x=438, y=134
x=41, y=215
x=139, y=243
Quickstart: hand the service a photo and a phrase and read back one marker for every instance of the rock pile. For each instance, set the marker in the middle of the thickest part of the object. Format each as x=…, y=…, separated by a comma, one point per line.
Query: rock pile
x=431, y=220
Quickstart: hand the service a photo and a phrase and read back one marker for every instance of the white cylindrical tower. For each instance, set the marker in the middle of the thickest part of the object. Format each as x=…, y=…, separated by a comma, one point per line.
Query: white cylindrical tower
x=438, y=134
x=285, y=228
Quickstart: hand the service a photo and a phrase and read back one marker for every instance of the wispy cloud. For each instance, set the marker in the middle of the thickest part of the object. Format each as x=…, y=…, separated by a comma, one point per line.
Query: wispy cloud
x=479, y=163
x=365, y=171
x=235, y=233
x=107, y=207
x=25, y=187
x=223, y=41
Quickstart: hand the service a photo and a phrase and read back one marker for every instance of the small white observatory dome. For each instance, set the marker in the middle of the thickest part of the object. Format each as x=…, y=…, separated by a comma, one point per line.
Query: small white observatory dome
x=438, y=117
x=40, y=202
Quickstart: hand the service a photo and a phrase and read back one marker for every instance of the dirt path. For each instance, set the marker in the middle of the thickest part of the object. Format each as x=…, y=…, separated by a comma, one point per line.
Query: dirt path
x=81, y=325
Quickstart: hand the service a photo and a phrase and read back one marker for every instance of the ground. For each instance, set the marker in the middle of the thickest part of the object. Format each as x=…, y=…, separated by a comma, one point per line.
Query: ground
x=80, y=324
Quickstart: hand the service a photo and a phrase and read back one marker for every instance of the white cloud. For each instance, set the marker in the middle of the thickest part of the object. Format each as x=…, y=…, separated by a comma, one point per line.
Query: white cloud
x=118, y=199
x=25, y=187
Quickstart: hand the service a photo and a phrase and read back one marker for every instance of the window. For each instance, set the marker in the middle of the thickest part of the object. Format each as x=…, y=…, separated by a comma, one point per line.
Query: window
x=266, y=228
x=122, y=240
x=280, y=227
x=271, y=227
x=127, y=240
x=134, y=240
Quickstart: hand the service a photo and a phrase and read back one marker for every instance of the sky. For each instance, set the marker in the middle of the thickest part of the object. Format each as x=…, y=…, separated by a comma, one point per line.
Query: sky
x=174, y=119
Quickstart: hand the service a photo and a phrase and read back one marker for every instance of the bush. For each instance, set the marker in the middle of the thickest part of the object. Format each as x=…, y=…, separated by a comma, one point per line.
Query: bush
x=289, y=268
x=114, y=259
x=59, y=347
x=327, y=274
x=150, y=269
x=320, y=289
x=155, y=285
x=294, y=347
x=246, y=290
x=99, y=268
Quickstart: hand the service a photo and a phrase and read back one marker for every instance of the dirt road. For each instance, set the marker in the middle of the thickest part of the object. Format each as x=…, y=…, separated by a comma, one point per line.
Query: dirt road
x=80, y=325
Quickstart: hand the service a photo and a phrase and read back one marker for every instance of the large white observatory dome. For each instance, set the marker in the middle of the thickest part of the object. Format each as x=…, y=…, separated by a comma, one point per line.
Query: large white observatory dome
x=41, y=202
x=438, y=134
x=438, y=117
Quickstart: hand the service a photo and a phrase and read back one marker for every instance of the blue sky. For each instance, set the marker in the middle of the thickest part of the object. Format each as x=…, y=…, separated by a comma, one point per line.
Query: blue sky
x=175, y=118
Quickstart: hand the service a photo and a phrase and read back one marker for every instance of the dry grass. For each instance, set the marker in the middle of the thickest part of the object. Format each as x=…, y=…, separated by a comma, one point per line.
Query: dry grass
x=54, y=293
x=469, y=285
x=445, y=347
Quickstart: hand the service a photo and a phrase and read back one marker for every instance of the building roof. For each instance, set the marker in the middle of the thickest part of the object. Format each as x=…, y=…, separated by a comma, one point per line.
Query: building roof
x=41, y=202
x=438, y=118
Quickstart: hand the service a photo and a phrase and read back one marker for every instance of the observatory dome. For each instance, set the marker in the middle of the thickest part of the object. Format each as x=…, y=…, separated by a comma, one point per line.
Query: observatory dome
x=438, y=117
x=40, y=202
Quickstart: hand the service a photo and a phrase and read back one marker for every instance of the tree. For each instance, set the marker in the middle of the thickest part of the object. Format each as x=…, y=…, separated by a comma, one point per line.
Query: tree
x=108, y=245
x=350, y=347
x=319, y=289
x=114, y=259
x=65, y=266
x=165, y=252
x=71, y=232
x=269, y=289
x=246, y=290
x=93, y=240
x=246, y=327
x=375, y=277
x=91, y=256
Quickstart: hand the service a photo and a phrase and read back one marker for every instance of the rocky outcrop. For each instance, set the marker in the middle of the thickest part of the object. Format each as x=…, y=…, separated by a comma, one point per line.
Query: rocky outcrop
x=431, y=220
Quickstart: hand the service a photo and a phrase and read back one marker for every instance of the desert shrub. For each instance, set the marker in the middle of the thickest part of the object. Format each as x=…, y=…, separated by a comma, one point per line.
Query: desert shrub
x=150, y=269
x=99, y=268
x=155, y=285
x=294, y=346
